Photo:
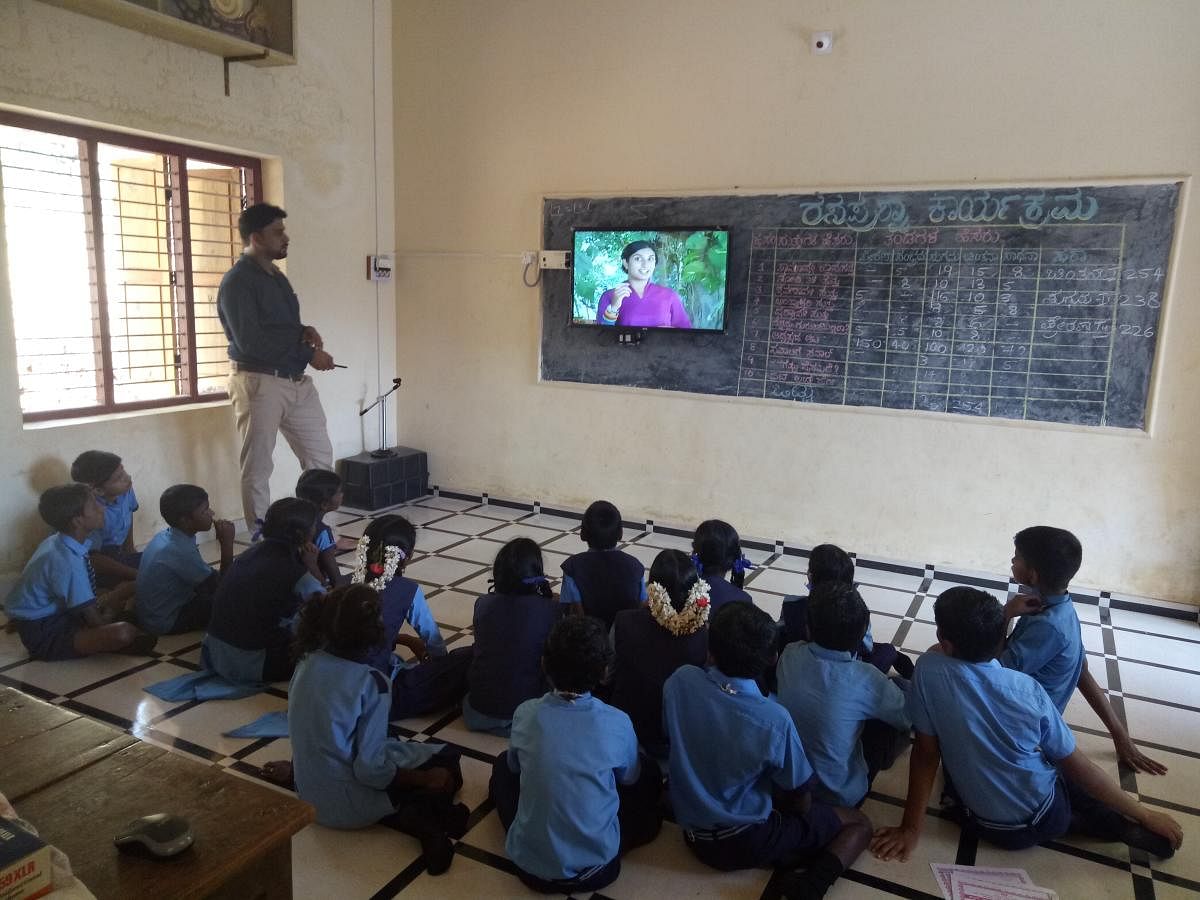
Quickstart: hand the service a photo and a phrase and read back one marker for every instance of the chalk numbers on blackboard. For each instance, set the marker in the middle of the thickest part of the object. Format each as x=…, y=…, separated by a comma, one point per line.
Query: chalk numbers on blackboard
x=986, y=321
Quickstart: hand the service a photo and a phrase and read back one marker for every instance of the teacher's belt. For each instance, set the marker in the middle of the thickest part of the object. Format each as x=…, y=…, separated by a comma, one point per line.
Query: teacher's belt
x=263, y=370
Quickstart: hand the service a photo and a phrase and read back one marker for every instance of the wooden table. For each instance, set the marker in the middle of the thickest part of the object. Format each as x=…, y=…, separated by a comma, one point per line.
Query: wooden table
x=81, y=781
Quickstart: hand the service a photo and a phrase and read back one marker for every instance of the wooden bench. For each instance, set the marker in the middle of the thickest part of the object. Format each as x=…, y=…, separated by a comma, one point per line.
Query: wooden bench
x=80, y=782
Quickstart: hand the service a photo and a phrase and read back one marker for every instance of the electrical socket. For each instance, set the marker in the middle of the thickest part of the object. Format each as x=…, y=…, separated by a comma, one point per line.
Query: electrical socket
x=379, y=267
x=555, y=259
x=528, y=257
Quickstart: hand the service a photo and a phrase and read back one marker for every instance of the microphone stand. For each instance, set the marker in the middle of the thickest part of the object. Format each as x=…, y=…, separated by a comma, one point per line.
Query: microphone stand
x=383, y=452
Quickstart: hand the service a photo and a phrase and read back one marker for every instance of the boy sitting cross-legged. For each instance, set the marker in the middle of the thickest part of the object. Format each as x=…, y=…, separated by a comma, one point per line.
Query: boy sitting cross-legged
x=851, y=717
x=54, y=605
x=572, y=790
x=738, y=774
x=1009, y=758
x=175, y=586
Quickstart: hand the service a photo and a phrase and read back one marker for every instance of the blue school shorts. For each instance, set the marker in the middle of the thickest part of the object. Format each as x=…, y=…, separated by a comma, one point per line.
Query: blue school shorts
x=53, y=637
x=781, y=840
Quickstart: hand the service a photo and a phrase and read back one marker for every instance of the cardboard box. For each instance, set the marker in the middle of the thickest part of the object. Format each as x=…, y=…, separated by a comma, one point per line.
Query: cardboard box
x=25, y=870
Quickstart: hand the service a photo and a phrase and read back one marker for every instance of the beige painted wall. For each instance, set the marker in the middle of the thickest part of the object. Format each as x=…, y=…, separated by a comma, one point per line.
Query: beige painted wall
x=316, y=120
x=500, y=104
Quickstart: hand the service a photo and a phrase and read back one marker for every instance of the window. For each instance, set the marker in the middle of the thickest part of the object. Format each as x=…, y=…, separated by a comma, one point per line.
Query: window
x=116, y=245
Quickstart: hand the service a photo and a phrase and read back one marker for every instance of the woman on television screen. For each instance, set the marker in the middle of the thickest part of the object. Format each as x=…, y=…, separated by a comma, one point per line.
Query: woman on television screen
x=637, y=302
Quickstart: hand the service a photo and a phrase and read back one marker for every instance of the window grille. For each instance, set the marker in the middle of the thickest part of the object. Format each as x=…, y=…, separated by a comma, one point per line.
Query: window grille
x=115, y=248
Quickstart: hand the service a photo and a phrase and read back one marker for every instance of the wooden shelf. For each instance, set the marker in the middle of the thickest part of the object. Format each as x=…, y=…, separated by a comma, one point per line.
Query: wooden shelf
x=150, y=21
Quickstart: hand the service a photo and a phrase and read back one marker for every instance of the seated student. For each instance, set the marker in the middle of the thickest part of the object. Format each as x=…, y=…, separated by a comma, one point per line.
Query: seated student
x=1047, y=642
x=732, y=748
x=510, y=626
x=343, y=762
x=851, y=718
x=113, y=555
x=437, y=679
x=175, y=585
x=717, y=551
x=254, y=609
x=1009, y=757
x=323, y=489
x=54, y=605
x=653, y=641
x=830, y=564
x=571, y=790
x=602, y=580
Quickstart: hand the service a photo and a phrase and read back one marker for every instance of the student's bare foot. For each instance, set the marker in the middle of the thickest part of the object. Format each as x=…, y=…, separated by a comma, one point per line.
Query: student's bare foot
x=280, y=772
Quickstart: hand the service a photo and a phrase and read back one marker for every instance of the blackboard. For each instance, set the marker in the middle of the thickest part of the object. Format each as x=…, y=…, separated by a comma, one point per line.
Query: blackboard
x=1027, y=303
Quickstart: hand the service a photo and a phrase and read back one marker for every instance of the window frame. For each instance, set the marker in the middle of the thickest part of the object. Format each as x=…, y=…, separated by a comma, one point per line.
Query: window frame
x=92, y=136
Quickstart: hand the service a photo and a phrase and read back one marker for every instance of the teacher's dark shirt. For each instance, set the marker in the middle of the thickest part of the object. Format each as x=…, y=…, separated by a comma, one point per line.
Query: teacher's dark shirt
x=261, y=317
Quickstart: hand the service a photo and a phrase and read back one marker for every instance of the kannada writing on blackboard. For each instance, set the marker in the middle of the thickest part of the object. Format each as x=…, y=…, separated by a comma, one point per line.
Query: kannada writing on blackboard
x=990, y=321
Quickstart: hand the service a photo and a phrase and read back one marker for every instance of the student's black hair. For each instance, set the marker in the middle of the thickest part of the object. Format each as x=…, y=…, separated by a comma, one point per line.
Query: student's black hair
x=717, y=546
x=634, y=246
x=673, y=569
x=601, y=529
x=180, y=500
x=741, y=639
x=256, y=218
x=837, y=616
x=94, y=467
x=828, y=562
x=577, y=654
x=347, y=622
x=1054, y=553
x=518, y=569
x=972, y=621
x=318, y=486
x=290, y=520
x=390, y=531
x=59, y=505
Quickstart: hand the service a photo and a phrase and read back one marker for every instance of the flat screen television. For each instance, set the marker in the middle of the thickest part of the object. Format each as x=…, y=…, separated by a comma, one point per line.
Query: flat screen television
x=671, y=278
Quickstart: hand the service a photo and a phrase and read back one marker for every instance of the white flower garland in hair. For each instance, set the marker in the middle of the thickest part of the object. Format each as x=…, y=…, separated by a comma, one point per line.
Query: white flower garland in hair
x=392, y=557
x=688, y=620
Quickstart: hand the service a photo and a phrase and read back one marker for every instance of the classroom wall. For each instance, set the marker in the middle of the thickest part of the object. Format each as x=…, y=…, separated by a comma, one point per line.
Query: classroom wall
x=501, y=104
x=316, y=121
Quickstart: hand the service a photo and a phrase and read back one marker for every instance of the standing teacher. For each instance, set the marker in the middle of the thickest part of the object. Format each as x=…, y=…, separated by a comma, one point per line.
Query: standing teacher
x=269, y=349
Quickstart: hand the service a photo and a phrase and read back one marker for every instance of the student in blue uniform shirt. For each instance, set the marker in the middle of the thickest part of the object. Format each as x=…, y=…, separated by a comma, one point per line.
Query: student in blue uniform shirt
x=436, y=679
x=510, y=626
x=113, y=555
x=254, y=610
x=1011, y=763
x=717, y=553
x=602, y=581
x=851, y=718
x=343, y=761
x=830, y=564
x=651, y=642
x=175, y=585
x=54, y=604
x=323, y=489
x=1047, y=642
x=571, y=789
x=732, y=749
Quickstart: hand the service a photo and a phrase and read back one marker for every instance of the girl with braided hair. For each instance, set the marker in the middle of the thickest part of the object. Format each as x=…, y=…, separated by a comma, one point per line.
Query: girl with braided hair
x=436, y=678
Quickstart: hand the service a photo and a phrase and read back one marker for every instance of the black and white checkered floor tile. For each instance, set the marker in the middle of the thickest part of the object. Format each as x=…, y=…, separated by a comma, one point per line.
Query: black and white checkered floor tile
x=1146, y=654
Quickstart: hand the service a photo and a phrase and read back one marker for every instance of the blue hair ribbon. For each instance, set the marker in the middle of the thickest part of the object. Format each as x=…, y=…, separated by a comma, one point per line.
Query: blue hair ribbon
x=742, y=565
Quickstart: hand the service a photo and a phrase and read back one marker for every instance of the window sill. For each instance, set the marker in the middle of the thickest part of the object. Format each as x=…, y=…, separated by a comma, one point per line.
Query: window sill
x=127, y=414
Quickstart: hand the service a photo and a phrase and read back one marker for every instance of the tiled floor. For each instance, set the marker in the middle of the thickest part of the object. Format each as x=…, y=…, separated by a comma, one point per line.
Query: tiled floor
x=1147, y=655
